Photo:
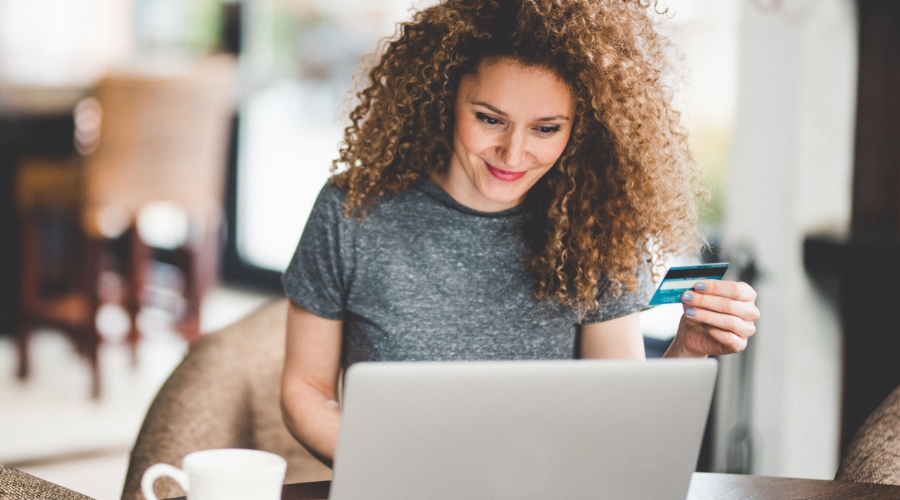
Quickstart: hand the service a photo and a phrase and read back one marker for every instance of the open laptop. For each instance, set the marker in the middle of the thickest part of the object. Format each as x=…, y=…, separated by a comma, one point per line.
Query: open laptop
x=544, y=430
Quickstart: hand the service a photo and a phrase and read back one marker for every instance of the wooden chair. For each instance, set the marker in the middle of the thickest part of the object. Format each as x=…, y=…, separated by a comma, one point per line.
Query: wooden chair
x=16, y=485
x=224, y=394
x=873, y=455
x=163, y=136
x=60, y=263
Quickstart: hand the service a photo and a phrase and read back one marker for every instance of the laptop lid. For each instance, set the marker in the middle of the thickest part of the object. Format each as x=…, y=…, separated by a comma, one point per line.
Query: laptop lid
x=522, y=429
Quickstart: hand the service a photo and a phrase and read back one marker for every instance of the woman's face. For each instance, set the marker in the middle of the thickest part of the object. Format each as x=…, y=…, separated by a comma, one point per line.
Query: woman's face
x=512, y=124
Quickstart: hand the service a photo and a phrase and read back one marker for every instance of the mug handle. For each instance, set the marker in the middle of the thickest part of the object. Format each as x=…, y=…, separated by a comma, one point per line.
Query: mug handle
x=157, y=471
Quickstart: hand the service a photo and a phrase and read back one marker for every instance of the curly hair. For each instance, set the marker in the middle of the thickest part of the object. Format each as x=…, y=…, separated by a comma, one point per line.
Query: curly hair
x=623, y=192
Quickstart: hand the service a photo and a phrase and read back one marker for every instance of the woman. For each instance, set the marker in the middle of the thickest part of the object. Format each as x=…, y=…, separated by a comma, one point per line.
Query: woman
x=511, y=172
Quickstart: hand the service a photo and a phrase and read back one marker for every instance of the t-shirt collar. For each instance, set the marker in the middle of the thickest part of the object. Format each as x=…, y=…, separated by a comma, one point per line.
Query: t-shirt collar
x=431, y=189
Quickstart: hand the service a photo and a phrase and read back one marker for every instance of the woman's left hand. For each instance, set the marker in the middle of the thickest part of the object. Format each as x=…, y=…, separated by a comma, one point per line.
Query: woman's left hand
x=719, y=317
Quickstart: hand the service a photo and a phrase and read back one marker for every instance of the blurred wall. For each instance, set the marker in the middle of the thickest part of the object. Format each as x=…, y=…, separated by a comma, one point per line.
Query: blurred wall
x=62, y=42
x=791, y=175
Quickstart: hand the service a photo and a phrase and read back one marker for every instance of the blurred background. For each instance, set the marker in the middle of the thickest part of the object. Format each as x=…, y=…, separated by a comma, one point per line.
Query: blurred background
x=219, y=120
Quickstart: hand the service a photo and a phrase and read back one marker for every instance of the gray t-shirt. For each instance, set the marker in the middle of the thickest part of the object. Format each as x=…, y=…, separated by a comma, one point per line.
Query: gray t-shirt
x=426, y=278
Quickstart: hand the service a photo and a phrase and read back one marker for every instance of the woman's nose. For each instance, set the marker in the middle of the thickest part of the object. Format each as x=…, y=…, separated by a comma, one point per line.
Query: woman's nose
x=513, y=150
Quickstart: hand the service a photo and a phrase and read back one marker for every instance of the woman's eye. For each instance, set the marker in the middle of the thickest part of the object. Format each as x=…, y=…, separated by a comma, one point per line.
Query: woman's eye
x=487, y=119
x=548, y=129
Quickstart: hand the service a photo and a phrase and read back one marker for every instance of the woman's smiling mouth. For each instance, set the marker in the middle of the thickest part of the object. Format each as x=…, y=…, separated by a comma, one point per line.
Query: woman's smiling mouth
x=504, y=175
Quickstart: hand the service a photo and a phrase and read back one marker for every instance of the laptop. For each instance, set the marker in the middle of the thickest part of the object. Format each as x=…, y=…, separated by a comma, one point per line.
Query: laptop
x=569, y=430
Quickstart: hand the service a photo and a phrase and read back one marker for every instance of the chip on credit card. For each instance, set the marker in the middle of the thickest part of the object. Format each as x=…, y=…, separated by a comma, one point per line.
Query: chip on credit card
x=683, y=278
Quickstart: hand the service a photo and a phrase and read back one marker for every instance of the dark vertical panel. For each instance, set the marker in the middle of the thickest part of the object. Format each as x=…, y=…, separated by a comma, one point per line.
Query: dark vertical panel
x=22, y=135
x=232, y=32
x=9, y=248
x=870, y=261
x=876, y=180
x=870, y=312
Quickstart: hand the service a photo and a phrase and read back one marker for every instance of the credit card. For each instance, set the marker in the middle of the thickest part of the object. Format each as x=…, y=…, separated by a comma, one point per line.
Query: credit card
x=683, y=278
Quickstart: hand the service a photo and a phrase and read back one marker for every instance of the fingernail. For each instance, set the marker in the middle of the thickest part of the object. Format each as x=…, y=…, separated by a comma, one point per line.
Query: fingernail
x=687, y=297
x=690, y=311
x=699, y=287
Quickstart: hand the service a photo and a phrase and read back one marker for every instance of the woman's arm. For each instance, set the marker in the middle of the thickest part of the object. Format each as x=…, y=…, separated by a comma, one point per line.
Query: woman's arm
x=309, y=384
x=618, y=338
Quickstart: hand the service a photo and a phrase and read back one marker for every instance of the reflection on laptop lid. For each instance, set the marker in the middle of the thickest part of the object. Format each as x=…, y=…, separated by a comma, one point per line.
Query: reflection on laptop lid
x=522, y=429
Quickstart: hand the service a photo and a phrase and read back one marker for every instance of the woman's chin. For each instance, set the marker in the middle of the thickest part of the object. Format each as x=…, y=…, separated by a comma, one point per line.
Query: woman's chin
x=502, y=196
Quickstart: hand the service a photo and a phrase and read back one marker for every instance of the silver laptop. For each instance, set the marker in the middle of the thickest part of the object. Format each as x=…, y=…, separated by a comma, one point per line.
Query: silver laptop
x=544, y=430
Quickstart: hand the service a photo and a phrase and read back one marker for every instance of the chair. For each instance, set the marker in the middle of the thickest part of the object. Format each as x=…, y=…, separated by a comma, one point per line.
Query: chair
x=163, y=139
x=224, y=394
x=16, y=485
x=60, y=263
x=873, y=455
x=151, y=136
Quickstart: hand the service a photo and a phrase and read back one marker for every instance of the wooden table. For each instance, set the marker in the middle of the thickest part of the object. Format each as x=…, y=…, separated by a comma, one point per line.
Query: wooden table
x=734, y=487
x=709, y=487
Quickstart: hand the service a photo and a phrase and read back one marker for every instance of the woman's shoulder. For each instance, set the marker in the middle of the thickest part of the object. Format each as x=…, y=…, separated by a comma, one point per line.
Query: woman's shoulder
x=332, y=192
x=333, y=197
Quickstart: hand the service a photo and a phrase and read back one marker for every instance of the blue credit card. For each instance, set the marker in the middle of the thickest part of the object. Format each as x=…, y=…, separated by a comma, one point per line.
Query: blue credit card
x=683, y=278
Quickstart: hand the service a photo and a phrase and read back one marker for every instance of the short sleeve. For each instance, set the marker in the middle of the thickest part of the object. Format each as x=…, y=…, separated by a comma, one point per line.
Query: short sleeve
x=316, y=278
x=629, y=301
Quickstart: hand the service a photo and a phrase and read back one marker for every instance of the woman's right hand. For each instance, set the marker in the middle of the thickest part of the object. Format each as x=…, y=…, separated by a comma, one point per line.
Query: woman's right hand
x=309, y=395
x=719, y=318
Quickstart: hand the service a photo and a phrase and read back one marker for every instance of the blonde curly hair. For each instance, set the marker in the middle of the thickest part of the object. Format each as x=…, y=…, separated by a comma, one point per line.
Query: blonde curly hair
x=624, y=189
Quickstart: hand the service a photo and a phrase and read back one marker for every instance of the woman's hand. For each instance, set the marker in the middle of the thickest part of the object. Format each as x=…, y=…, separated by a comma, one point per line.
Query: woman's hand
x=719, y=317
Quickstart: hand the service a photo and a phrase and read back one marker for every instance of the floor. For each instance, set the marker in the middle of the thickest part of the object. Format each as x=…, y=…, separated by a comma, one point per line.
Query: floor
x=50, y=428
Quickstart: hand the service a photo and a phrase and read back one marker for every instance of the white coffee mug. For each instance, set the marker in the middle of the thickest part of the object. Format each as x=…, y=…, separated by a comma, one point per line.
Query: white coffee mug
x=225, y=474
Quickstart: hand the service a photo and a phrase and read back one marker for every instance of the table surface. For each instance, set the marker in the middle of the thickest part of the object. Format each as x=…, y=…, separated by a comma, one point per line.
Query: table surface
x=705, y=486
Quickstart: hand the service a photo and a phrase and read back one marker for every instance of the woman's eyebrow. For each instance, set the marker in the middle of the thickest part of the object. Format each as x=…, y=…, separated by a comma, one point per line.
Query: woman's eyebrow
x=503, y=113
x=488, y=106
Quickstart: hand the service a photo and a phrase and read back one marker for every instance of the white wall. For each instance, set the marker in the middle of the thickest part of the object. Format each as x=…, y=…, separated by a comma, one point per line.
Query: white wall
x=62, y=42
x=790, y=175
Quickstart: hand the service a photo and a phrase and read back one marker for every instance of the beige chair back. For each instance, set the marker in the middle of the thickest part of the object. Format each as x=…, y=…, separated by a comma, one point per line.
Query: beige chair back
x=874, y=454
x=224, y=394
x=163, y=137
x=16, y=485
